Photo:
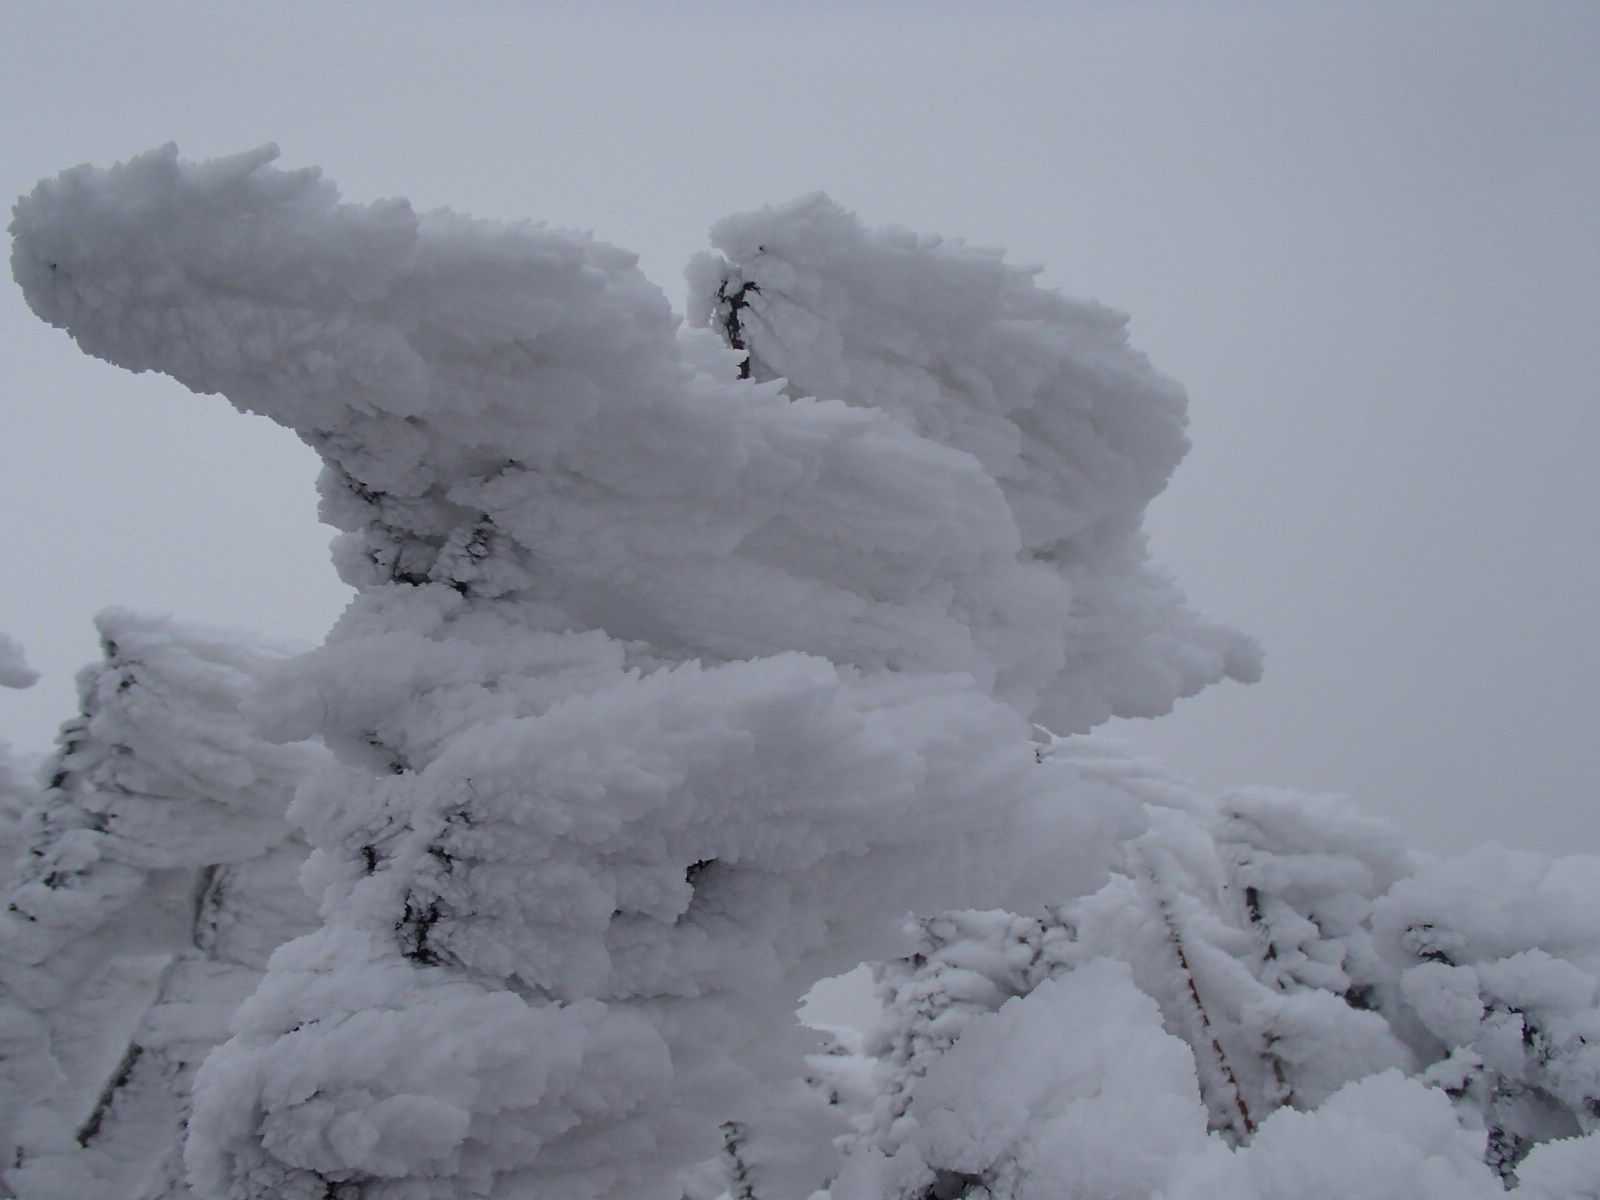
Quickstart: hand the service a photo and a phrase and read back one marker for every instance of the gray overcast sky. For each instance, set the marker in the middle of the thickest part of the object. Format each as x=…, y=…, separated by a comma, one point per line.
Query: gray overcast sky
x=1364, y=236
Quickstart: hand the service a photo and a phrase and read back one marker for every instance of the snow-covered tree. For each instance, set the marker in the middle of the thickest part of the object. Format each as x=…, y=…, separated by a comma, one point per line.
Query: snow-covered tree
x=1314, y=980
x=158, y=871
x=685, y=660
x=1075, y=429
x=1499, y=957
x=667, y=688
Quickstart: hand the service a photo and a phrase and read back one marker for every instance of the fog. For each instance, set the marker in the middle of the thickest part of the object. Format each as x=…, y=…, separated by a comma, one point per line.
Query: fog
x=1363, y=236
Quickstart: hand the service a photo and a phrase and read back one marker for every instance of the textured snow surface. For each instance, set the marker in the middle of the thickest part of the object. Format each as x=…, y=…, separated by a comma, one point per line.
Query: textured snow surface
x=993, y=1108
x=1073, y=426
x=1267, y=967
x=685, y=662
x=513, y=409
x=157, y=871
x=666, y=690
x=1383, y=1138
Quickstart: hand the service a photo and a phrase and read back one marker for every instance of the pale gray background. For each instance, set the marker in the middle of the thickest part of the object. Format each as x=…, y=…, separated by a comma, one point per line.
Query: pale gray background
x=1365, y=236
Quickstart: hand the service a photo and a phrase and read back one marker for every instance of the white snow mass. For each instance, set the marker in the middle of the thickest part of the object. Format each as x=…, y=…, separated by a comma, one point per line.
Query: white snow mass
x=686, y=660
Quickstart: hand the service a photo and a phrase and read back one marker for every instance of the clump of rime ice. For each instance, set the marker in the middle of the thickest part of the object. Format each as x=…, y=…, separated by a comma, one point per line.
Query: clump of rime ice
x=669, y=686
x=157, y=872
x=1351, y=1021
x=1500, y=966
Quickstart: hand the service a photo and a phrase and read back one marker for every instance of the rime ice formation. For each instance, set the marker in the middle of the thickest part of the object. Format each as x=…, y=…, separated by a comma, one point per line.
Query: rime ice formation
x=14, y=669
x=157, y=873
x=683, y=663
x=1271, y=967
x=665, y=690
x=1074, y=427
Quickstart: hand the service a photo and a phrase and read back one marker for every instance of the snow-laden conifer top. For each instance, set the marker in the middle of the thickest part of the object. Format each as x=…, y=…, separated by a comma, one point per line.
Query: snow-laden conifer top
x=683, y=661
x=945, y=470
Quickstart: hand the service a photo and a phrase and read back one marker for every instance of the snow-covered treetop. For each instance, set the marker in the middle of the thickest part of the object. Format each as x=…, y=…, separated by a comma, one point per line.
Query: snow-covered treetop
x=962, y=494
x=683, y=661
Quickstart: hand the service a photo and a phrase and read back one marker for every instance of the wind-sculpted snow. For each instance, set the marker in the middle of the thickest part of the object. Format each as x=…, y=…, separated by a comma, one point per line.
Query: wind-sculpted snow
x=683, y=664
x=14, y=669
x=158, y=871
x=1347, y=1021
x=1074, y=426
x=1501, y=956
x=665, y=690
x=509, y=410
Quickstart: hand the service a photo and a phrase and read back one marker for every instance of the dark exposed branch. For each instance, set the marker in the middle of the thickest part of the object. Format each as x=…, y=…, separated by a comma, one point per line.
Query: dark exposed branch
x=119, y=1079
x=731, y=305
x=740, y=1185
x=414, y=927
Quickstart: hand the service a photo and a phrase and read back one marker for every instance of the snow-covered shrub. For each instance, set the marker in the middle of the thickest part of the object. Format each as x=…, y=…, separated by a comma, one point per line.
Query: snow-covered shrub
x=1499, y=965
x=1331, y=993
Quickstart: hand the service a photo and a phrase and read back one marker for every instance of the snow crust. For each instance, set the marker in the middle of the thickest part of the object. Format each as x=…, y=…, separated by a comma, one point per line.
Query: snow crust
x=992, y=1108
x=1074, y=427
x=512, y=409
